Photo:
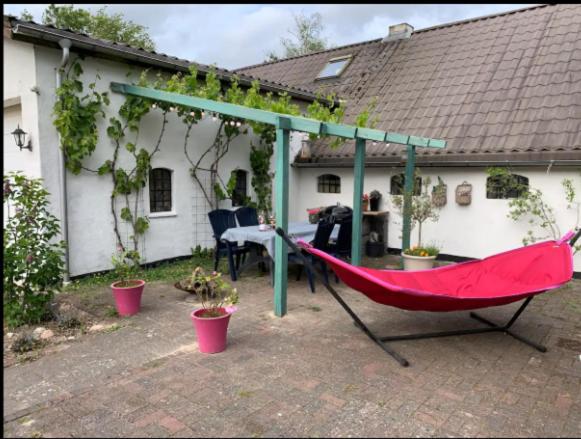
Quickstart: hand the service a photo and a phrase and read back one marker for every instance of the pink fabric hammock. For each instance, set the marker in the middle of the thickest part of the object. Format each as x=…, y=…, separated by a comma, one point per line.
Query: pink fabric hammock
x=496, y=280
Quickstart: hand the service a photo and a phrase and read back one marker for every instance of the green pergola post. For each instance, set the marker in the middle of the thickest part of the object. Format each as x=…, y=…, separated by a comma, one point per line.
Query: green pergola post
x=281, y=214
x=407, y=197
x=358, y=178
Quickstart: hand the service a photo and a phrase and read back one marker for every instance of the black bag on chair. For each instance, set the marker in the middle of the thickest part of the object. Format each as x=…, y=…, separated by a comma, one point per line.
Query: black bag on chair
x=337, y=213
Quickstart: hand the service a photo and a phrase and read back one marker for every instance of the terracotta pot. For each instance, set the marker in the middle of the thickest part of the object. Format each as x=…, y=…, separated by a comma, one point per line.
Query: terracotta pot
x=128, y=299
x=365, y=205
x=212, y=332
x=413, y=263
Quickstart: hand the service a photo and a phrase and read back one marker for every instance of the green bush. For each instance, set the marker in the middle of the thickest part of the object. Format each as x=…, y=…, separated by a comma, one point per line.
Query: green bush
x=33, y=261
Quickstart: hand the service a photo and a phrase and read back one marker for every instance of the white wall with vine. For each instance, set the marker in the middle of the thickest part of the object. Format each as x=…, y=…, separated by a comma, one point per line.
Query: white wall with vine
x=91, y=237
x=478, y=230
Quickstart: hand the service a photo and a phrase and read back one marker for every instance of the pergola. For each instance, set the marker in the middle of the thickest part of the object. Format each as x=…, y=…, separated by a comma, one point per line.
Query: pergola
x=285, y=123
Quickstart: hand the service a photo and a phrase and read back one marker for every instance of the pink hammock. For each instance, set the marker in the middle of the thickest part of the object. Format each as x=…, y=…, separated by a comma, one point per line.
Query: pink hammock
x=496, y=280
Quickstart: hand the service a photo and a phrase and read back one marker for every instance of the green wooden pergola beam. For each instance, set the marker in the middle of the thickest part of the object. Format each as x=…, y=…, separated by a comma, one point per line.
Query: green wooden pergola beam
x=297, y=123
x=284, y=123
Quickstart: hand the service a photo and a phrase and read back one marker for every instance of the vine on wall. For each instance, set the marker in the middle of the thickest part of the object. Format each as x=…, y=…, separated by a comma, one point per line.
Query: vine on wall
x=76, y=119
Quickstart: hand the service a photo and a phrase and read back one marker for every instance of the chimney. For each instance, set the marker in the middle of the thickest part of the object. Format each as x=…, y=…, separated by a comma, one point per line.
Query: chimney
x=402, y=31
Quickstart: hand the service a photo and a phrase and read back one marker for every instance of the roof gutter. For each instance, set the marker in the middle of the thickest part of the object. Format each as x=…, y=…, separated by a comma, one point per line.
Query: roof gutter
x=455, y=164
x=65, y=45
x=33, y=31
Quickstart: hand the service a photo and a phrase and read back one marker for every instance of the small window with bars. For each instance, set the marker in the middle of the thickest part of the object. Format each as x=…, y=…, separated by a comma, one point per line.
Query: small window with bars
x=329, y=184
x=160, y=190
x=239, y=195
x=506, y=186
x=397, y=185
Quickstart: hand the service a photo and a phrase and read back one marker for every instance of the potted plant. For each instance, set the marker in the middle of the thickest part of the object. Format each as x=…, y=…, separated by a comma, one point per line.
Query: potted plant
x=374, y=197
x=419, y=258
x=423, y=209
x=127, y=290
x=211, y=320
x=365, y=202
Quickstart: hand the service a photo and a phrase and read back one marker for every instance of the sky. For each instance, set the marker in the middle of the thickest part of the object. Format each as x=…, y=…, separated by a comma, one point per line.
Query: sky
x=237, y=35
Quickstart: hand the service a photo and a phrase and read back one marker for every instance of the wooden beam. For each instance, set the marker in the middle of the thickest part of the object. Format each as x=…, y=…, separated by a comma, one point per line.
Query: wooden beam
x=296, y=123
x=281, y=215
x=358, y=178
x=407, y=197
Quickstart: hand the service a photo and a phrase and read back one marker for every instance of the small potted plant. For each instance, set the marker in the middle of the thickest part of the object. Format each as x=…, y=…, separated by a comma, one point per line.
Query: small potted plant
x=365, y=202
x=211, y=320
x=374, y=197
x=127, y=290
x=423, y=209
x=419, y=258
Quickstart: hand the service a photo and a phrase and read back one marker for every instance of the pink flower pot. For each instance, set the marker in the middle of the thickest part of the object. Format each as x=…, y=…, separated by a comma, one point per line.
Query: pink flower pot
x=211, y=331
x=128, y=299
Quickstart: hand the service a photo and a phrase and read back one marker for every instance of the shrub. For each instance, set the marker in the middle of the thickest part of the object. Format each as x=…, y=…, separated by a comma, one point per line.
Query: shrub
x=33, y=261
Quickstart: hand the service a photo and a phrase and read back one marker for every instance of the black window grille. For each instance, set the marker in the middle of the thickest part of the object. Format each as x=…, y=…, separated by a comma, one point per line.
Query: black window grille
x=397, y=185
x=506, y=186
x=160, y=190
x=329, y=184
x=239, y=195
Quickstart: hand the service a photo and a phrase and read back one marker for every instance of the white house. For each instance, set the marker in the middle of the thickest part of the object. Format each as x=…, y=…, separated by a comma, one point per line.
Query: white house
x=32, y=55
x=502, y=90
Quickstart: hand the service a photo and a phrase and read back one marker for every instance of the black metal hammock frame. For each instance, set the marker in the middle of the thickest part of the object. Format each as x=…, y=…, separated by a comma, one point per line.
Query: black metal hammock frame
x=381, y=341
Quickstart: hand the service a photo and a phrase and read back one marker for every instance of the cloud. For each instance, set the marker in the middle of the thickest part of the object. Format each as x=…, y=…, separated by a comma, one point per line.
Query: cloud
x=236, y=35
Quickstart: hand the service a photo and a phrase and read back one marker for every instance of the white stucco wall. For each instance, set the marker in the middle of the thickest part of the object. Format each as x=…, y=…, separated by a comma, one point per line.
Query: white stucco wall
x=20, y=107
x=91, y=236
x=477, y=230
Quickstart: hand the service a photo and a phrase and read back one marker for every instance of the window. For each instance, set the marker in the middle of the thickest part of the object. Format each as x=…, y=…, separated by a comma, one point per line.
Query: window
x=329, y=184
x=397, y=185
x=334, y=67
x=160, y=190
x=239, y=195
x=506, y=186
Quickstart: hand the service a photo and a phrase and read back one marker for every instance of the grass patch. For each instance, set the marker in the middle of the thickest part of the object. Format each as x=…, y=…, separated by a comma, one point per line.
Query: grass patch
x=111, y=312
x=315, y=308
x=165, y=272
x=114, y=327
x=244, y=394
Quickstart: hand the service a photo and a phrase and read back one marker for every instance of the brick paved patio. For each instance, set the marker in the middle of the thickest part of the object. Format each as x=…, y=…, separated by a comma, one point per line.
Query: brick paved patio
x=311, y=373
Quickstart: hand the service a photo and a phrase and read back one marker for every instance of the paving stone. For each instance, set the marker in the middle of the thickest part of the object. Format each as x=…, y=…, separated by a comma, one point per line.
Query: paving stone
x=309, y=374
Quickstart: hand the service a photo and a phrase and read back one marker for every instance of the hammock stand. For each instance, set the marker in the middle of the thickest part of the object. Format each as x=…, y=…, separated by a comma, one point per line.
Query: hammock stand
x=380, y=341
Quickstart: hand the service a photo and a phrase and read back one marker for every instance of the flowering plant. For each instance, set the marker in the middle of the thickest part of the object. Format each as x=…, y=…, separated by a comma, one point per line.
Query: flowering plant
x=217, y=296
x=417, y=250
x=365, y=197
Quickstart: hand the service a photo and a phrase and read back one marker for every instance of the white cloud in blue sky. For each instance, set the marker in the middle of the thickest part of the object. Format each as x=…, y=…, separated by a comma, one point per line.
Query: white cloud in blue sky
x=235, y=35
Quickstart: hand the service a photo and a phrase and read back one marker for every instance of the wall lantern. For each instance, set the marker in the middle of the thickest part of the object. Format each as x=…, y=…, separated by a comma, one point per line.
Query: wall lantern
x=20, y=138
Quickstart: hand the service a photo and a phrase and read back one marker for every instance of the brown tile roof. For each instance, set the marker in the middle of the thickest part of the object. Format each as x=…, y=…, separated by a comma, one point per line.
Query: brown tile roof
x=48, y=35
x=502, y=86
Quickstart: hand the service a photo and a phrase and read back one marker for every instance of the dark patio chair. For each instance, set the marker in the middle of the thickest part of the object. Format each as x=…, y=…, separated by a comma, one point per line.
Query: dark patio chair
x=320, y=242
x=246, y=216
x=341, y=248
x=220, y=220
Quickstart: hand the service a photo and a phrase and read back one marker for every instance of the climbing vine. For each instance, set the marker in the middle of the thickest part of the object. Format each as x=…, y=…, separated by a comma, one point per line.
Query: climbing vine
x=76, y=118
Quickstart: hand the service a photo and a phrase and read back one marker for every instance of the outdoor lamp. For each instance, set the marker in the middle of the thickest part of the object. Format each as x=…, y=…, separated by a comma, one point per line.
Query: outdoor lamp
x=20, y=138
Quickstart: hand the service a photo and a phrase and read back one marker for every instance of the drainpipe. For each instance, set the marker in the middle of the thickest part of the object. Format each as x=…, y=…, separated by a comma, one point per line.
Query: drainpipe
x=65, y=45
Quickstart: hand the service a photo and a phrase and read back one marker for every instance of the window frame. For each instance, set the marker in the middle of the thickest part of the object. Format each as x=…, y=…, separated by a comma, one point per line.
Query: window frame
x=235, y=201
x=417, y=187
x=347, y=58
x=334, y=181
x=161, y=213
x=495, y=191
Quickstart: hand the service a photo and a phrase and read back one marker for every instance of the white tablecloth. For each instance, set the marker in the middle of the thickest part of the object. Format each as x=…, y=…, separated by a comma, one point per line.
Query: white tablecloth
x=298, y=230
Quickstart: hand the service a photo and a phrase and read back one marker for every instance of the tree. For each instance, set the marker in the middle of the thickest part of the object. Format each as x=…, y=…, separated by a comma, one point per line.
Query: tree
x=306, y=34
x=101, y=25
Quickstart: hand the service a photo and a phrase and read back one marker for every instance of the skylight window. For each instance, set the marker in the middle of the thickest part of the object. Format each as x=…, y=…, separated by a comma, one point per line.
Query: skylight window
x=334, y=67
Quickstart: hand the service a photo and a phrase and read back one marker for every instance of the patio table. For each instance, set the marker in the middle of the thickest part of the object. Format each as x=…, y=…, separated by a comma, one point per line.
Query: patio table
x=297, y=230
